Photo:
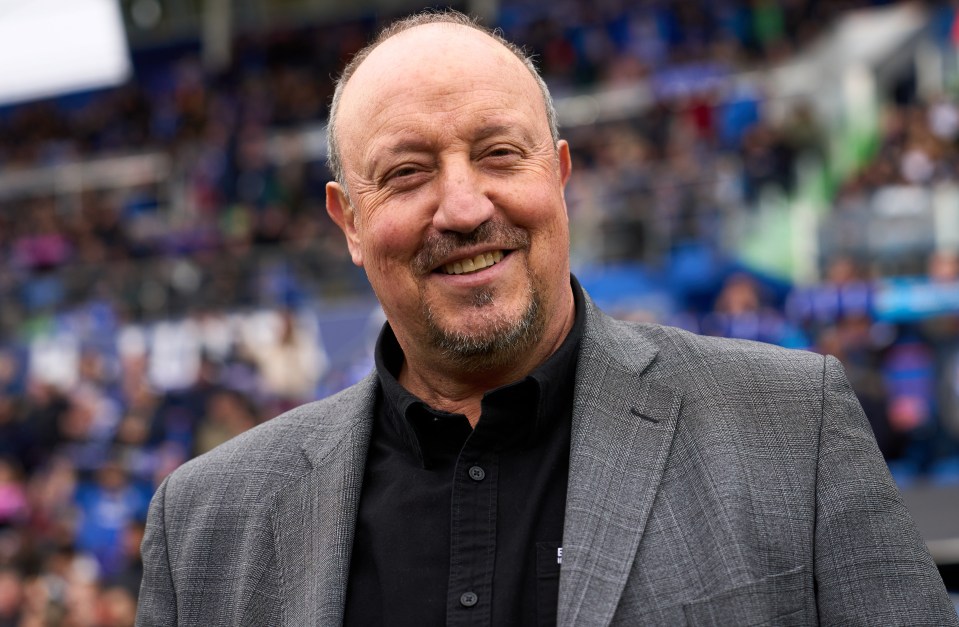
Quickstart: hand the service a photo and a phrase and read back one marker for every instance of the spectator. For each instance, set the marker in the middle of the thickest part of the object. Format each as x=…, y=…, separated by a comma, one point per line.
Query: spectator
x=107, y=507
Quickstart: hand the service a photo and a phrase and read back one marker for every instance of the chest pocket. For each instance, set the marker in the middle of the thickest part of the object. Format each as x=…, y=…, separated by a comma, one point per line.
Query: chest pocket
x=780, y=599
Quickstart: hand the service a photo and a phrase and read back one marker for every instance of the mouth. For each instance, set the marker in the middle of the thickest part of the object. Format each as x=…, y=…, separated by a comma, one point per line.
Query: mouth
x=473, y=264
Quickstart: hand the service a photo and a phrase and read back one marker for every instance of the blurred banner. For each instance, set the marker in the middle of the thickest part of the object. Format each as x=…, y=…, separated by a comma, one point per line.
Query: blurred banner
x=53, y=47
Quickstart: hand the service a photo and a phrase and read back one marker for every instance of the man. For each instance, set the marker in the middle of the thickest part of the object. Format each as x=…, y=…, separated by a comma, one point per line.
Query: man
x=518, y=457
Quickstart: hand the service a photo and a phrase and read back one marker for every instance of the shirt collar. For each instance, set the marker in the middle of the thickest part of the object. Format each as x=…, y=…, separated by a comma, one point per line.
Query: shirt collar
x=549, y=387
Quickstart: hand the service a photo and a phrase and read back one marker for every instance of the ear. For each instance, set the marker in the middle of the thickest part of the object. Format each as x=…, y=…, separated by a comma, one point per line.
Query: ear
x=565, y=161
x=341, y=211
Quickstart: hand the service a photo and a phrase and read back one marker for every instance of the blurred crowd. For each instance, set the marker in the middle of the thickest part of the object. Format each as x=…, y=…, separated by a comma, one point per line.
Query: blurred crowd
x=238, y=184
x=144, y=324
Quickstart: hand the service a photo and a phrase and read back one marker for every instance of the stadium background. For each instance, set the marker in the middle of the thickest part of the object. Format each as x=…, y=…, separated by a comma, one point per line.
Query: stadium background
x=779, y=170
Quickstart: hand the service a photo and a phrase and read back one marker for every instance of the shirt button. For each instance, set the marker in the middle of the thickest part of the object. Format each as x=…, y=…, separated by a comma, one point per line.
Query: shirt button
x=477, y=473
x=468, y=599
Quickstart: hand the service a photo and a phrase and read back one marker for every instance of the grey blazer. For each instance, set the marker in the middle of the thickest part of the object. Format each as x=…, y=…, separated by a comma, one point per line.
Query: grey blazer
x=711, y=482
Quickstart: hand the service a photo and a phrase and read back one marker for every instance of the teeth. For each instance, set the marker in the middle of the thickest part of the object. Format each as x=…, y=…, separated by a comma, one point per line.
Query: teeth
x=483, y=260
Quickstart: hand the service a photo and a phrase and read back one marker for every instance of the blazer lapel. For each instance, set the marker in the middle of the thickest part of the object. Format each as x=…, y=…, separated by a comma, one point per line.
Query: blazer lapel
x=623, y=426
x=315, y=518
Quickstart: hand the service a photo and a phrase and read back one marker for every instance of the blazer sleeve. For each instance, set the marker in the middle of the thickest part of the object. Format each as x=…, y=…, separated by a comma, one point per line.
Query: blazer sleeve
x=156, y=605
x=871, y=565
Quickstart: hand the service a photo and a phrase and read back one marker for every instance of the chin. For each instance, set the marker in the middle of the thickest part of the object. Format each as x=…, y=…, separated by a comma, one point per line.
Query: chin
x=486, y=337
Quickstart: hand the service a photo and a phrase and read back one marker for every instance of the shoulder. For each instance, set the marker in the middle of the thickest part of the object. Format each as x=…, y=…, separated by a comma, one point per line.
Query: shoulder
x=696, y=352
x=721, y=382
x=682, y=353
x=282, y=449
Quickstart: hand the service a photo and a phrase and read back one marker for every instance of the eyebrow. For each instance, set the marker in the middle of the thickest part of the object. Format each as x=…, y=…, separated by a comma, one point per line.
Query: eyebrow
x=413, y=144
x=491, y=130
x=403, y=146
x=419, y=145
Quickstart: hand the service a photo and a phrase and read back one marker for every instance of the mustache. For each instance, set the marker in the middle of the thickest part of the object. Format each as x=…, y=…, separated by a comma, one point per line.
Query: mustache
x=441, y=246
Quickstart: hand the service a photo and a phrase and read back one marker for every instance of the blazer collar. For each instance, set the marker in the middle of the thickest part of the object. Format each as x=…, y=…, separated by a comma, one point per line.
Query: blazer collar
x=315, y=517
x=624, y=417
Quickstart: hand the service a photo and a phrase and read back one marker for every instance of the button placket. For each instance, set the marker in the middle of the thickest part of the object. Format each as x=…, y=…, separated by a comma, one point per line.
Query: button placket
x=473, y=537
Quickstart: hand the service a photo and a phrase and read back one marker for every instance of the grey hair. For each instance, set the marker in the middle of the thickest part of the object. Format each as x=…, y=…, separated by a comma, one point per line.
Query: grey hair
x=420, y=19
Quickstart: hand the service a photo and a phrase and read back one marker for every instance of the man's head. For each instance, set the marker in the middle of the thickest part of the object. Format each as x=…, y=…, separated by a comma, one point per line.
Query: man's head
x=449, y=189
x=420, y=19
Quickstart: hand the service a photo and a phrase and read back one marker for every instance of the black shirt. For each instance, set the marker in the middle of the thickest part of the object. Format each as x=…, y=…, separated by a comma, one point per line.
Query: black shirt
x=463, y=526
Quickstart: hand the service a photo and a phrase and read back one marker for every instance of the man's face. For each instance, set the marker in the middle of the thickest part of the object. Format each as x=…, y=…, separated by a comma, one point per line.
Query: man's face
x=458, y=214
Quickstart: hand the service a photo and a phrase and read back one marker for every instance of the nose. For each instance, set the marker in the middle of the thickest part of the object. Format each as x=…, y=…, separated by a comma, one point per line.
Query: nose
x=463, y=204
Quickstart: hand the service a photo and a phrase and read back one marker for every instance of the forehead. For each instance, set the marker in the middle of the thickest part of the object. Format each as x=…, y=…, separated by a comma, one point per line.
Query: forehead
x=432, y=74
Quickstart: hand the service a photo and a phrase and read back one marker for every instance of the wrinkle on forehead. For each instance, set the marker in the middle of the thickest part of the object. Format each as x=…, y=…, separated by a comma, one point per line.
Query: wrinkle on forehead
x=442, y=61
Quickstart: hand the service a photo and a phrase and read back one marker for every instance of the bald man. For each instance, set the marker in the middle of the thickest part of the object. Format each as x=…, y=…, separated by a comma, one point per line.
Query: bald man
x=517, y=457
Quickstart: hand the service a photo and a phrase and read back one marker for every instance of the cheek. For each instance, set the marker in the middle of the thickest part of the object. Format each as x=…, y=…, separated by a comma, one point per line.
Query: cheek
x=548, y=224
x=389, y=242
x=544, y=215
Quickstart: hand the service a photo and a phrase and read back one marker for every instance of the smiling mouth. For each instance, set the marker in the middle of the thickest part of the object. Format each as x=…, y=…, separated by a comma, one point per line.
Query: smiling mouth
x=473, y=264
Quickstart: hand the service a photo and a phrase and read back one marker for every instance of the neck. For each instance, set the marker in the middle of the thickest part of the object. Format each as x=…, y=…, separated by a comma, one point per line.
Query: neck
x=453, y=391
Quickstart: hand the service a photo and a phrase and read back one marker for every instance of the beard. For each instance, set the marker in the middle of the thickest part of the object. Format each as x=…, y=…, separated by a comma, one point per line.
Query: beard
x=494, y=344
x=503, y=335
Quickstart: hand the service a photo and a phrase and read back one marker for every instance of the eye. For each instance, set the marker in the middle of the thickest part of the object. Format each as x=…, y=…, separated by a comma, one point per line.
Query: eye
x=502, y=151
x=405, y=176
x=402, y=171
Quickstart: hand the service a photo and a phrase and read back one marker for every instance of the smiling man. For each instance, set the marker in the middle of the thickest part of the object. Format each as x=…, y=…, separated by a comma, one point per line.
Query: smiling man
x=450, y=193
x=517, y=457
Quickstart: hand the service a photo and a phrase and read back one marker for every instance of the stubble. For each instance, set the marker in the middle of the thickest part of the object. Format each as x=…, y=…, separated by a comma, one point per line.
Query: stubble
x=503, y=336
